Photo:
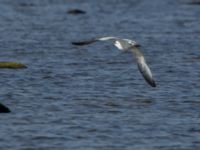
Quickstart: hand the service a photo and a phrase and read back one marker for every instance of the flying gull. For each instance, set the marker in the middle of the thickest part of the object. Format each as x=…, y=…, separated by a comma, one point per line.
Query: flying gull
x=127, y=45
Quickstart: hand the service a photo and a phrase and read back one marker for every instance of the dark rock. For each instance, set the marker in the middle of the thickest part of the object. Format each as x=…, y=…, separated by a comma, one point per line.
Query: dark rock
x=12, y=65
x=26, y=4
x=75, y=11
x=4, y=109
x=196, y=57
x=195, y=2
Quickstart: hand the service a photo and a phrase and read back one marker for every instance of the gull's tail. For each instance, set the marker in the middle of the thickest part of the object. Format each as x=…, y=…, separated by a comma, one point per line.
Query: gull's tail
x=81, y=43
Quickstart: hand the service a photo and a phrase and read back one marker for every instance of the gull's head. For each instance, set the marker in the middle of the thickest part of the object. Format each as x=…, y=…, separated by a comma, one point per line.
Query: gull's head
x=132, y=43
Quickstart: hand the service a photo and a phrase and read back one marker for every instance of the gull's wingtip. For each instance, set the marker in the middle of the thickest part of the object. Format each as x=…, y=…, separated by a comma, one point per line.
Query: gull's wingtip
x=77, y=43
x=81, y=43
x=149, y=80
x=153, y=83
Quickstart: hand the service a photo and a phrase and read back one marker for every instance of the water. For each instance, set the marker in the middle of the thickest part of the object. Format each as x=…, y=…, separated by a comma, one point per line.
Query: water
x=93, y=97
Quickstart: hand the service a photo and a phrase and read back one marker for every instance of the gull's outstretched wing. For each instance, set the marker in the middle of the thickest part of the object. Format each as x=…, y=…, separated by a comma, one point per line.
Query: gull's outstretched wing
x=87, y=42
x=143, y=67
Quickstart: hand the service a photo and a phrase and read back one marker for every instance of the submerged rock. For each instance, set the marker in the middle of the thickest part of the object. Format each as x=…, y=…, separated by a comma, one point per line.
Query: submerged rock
x=4, y=109
x=75, y=11
x=195, y=2
x=12, y=65
x=26, y=4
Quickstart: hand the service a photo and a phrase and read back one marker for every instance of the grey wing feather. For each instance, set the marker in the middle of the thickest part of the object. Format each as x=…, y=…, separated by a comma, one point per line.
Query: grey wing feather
x=143, y=67
x=145, y=71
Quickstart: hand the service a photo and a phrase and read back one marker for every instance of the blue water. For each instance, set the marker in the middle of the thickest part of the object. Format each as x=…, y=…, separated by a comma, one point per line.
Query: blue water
x=93, y=97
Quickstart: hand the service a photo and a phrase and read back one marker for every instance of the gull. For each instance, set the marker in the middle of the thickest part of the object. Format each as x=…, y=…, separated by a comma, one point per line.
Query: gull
x=127, y=45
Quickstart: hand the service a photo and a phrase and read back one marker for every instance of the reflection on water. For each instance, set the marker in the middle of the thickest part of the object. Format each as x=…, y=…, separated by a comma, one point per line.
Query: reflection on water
x=94, y=97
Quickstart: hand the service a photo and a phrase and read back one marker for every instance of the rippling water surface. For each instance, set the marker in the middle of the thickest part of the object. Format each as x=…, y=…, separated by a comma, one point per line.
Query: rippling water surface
x=94, y=97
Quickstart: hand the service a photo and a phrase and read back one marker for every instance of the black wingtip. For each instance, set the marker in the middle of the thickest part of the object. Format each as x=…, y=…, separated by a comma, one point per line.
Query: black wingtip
x=150, y=82
x=153, y=83
x=81, y=43
x=78, y=43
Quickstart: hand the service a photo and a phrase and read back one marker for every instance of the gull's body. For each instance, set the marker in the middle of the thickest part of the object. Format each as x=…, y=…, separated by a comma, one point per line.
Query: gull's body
x=127, y=45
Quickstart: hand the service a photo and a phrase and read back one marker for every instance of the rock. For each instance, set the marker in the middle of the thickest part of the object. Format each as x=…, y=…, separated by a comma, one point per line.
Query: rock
x=75, y=11
x=4, y=109
x=196, y=57
x=12, y=65
x=195, y=2
x=26, y=4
